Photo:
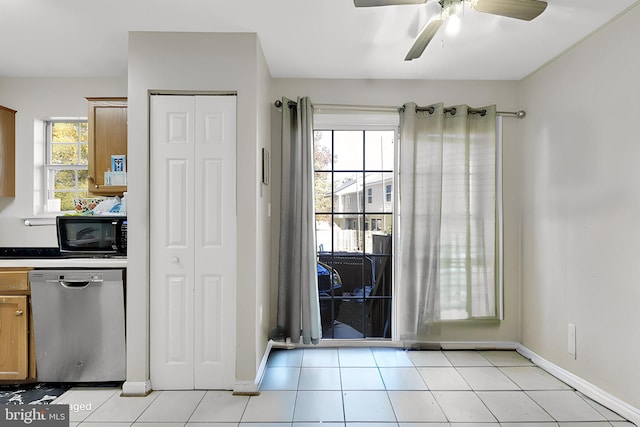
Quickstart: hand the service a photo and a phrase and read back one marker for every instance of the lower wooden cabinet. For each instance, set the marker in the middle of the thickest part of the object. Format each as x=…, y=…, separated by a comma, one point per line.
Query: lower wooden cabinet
x=14, y=337
x=17, y=361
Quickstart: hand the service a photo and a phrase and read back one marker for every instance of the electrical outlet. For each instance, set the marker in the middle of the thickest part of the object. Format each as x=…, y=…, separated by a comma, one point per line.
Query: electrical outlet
x=571, y=340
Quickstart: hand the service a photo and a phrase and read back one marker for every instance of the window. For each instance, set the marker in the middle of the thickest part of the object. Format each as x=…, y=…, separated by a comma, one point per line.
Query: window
x=354, y=238
x=387, y=193
x=66, y=161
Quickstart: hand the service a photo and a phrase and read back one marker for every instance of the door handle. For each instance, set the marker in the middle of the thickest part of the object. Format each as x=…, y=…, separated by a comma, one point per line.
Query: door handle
x=175, y=260
x=19, y=312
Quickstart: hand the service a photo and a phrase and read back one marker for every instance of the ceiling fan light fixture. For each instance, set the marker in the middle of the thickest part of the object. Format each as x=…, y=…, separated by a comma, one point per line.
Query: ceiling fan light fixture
x=453, y=25
x=450, y=13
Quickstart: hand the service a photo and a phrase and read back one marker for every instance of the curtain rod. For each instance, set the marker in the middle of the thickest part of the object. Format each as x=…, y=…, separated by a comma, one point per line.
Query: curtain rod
x=521, y=114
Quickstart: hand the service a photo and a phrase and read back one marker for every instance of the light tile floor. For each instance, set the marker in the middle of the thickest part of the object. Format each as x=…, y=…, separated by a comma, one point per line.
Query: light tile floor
x=363, y=387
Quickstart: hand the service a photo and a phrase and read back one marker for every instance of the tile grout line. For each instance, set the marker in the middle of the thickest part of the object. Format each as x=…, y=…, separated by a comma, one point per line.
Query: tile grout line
x=499, y=368
x=195, y=408
x=520, y=390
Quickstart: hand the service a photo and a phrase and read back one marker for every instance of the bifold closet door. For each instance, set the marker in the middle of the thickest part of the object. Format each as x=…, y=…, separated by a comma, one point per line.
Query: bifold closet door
x=192, y=241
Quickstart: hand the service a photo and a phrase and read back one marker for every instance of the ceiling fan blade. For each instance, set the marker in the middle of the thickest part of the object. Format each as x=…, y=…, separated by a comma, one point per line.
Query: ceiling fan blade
x=519, y=9
x=370, y=3
x=423, y=39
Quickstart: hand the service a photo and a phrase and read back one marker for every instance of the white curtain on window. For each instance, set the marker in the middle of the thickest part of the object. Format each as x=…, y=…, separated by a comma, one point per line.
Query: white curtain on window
x=447, y=216
x=298, y=303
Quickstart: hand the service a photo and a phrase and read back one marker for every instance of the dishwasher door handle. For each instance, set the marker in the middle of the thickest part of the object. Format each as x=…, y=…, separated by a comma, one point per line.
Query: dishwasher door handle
x=75, y=283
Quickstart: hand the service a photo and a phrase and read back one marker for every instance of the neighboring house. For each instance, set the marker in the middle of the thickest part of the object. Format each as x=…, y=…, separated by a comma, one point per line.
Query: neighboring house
x=363, y=201
x=371, y=196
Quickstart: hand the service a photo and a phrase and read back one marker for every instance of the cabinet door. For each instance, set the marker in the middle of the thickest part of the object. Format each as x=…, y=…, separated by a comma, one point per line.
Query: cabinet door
x=7, y=152
x=14, y=280
x=107, y=137
x=13, y=337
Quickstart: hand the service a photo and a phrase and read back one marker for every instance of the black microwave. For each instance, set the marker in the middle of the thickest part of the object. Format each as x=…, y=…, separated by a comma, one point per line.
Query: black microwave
x=92, y=235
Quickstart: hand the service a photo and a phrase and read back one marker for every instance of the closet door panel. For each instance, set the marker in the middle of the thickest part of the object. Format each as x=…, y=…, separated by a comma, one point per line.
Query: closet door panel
x=212, y=215
x=177, y=215
x=215, y=267
x=172, y=231
x=176, y=321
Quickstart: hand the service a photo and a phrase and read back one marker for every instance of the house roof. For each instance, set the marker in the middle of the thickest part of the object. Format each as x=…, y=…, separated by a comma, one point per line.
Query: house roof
x=353, y=186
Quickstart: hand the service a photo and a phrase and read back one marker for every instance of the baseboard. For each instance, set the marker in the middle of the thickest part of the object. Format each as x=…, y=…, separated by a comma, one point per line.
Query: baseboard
x=430, y=345
x=616, y=405
x=246, y=388
x=252, y=388
x=136, y=388
x=338, y=343
x=478, y=345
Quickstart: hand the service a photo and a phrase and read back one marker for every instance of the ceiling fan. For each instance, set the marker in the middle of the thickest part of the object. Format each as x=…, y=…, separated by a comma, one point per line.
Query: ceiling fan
x=520, y=9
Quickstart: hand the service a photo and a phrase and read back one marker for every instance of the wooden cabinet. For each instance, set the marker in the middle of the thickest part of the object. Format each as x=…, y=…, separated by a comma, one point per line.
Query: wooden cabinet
x=7, y=152
x=107, y=136
x=17, y=358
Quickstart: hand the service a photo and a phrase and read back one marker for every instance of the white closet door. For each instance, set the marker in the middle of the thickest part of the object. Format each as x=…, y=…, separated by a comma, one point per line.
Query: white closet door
x=215, y=242
x=172, y=231
x=192, y=243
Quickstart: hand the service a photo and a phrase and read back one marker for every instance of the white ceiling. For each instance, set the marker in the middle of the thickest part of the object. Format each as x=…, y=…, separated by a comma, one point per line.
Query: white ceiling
x=300, y=38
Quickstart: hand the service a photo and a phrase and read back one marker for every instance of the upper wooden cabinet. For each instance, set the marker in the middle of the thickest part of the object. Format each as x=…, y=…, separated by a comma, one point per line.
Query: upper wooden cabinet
x=7, y=152
x=107, y=137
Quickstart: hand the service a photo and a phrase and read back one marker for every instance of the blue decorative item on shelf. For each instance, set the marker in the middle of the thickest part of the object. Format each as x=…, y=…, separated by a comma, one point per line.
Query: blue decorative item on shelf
x=119, y=163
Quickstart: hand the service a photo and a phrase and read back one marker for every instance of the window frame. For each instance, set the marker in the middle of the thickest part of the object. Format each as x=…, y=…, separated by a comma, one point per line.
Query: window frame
x=49, y=167
x=384, y=119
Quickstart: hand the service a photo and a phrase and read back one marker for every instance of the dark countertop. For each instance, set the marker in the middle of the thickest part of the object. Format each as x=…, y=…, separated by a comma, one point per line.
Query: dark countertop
x=26, y=253
x=50, y=257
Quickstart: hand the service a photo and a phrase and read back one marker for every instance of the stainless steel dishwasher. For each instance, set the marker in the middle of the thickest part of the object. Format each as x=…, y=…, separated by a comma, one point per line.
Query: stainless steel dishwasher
x=79, y=325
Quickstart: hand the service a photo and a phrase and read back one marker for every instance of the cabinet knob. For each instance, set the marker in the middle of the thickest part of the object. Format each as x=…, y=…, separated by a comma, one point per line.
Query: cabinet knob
x=93, y=180
x=175, y=260
x=19, y=312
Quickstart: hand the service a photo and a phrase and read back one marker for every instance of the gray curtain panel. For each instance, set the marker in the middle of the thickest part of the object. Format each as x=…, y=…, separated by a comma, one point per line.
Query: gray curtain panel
x=298, y=304
x=447, y=217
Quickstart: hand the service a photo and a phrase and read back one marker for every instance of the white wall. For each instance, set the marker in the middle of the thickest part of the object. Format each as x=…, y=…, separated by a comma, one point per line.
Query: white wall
x=475, y=93
x=201, y=62
x=263, y=217
x=580, y=186
x=38, y=99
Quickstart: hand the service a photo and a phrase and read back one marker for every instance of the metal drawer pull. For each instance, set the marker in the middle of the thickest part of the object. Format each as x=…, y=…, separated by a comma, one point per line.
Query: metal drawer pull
x=19, y=312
